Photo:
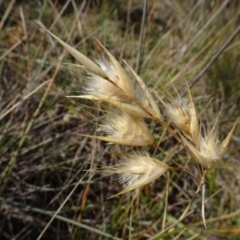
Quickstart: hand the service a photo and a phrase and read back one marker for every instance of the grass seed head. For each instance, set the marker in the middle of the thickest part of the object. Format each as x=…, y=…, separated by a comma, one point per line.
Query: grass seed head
x=137, y=170
x=144, y=97
x=206, y=157
x=178, y=114
x=123, y=81
x=182, y=114
x=211, y=149
x=99, y=87
x=109, y=82
x=126, y=129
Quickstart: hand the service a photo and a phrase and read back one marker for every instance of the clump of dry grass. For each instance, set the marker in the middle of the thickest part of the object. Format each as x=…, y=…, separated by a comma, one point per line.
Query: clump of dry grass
x=109, y=82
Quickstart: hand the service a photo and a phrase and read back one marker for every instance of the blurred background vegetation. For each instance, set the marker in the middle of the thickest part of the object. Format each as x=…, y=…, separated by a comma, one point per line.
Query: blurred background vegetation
x=43, y=157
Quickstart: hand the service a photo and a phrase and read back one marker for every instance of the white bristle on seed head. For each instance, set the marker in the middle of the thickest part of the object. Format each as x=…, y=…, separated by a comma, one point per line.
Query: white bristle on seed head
x=182, y=114
x=110, y=71
x=209, y=146
x=120, y=78
x=209, y=149
x=100, y=87
x=138, y=169
x=178, y=114
x=123, y=128
x=106, y=66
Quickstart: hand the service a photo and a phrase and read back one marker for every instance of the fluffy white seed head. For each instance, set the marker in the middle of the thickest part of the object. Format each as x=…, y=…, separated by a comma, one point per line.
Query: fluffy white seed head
x=209, y=146
x=141, y=102
x=179, y=115
x=101, y=88
x=109, y=90
x=182, y=114
x=211, y=149
x=109, y=82
x=120, y=78
x=108, y=68
x=126, y=129
x=138, y=169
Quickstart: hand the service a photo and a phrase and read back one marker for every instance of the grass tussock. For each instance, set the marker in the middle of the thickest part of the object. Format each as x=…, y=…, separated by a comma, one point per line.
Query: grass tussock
x=158, y=110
